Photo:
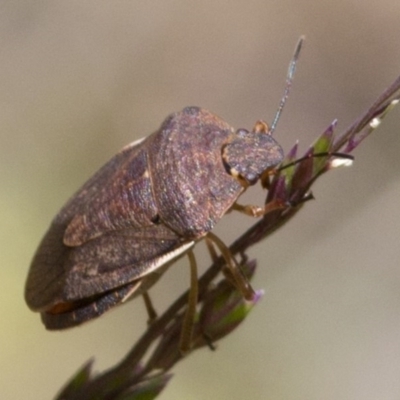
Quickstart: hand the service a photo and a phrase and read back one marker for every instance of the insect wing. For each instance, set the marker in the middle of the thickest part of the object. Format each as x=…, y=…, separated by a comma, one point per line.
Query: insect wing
x=66, y=315
x=88, y=310
x=105, y=238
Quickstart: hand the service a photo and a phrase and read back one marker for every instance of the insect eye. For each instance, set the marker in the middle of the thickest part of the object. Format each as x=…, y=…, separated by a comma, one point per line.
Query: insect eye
x=241, y=132
x=251, y=178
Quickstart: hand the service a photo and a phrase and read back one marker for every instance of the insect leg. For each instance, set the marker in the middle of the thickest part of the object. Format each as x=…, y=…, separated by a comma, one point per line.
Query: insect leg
x=257, y=211
x=188, y=319
x=240, y=280
x=211, y=249
x=149, y=308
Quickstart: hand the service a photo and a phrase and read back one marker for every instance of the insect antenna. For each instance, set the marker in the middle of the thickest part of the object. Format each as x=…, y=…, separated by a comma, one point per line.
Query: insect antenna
x=342, y=159
x=289, y=80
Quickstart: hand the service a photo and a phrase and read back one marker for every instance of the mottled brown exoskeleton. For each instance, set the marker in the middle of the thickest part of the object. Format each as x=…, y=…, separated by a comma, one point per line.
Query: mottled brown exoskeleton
x=145, y=208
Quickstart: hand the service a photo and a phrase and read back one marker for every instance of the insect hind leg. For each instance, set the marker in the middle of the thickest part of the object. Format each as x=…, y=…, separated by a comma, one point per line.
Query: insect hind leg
x=188, y=319
x=151, y=311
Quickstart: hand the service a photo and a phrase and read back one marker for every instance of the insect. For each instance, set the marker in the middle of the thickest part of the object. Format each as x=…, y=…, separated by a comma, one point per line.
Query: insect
x=144, y=209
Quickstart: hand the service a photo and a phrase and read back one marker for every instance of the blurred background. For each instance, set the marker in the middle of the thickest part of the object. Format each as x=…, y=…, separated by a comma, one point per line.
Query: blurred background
x=79, y=80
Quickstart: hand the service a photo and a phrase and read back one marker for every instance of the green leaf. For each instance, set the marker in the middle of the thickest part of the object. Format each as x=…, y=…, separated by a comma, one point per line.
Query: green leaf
x=323, y=145
x=77, y=383
x=148, y=389
x=224, y=309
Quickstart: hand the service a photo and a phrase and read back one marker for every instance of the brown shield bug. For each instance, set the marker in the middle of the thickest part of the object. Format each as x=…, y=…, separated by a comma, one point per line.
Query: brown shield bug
x=145, y=208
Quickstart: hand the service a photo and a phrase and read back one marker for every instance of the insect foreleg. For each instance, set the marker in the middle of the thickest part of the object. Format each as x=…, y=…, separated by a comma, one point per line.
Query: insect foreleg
x=257, y=211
